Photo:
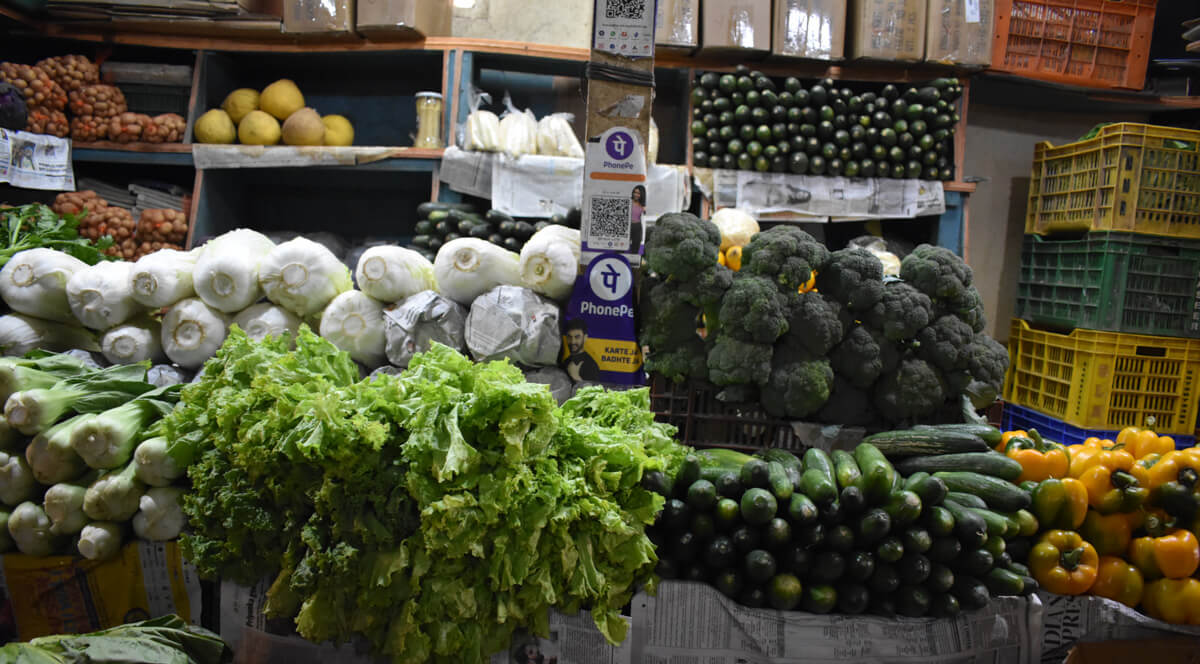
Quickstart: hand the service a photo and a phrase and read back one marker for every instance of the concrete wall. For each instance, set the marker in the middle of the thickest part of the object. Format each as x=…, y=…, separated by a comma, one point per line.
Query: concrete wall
x=1000, y=149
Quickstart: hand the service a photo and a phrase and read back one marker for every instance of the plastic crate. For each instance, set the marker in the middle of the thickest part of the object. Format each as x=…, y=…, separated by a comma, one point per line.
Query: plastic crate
x=1105, y=380
x=1094, y=43
x=705, y=421
x=156, y=99
x=1130, y=177
x=1119, y=282
x=1017, y=417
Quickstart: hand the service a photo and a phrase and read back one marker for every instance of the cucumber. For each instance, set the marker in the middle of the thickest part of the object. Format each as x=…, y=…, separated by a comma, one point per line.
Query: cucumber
x=938, y=520
x=997, y=525
x=966, y=499
x=984, y=463
x=976, y=562
x=424, y=210
x=878, y=476
x=923, y=442
x=802, y=510
x=497, y=217
x=817, y=481
x=791, y=465
x=990, y=434
x=912, y=480
x=931, y=490
x=758, y=507
x=873, y=526
x=689, y=471
x=845, y=470
x=657, y=481
x=717, y=462
x=971, y=593
x=852, y=500
x=755, y=474
x=970, y=528
x=1003, y=582
x=904, y=507
x=702, y=495
x=780, y=483
x=1000, y=495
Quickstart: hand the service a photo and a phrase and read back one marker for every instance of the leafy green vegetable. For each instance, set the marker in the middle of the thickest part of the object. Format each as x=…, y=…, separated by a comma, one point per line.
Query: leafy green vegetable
x=163, y=640
x=35, y=225
x=306, y=473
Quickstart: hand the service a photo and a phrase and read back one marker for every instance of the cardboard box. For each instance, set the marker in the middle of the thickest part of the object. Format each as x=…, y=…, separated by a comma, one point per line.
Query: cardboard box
x=553, y=22
x=1180, y=650
x=410, y=18
x=318, y=16
x=814, y=29
x=263, y=7
x=736, y=25
x=887, y=29
x=960, y=32
x=678, y=25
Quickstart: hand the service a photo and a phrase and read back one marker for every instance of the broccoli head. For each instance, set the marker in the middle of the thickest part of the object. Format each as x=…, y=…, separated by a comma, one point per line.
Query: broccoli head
x=858, y=358
x=853, y=277
x=987, y=362
x=936, y=272
x=784, y=254
x=682, y=245
x=815, y=323
x=901, y=313
x=681, y=361
x=797, y=389
x=915, y=389
x=705, y=291
x=847, y=405
x=734, y=362
x=668, y=320
x=969, y=309
x=753, y=310
x=943, y=343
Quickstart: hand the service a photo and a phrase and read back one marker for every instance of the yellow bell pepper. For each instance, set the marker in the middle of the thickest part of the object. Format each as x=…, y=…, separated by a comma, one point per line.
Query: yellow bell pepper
x=1040, y=459
x=733, y=258
x=1063, y=563
x=1113, y=458
x=1009, y=435
x=1141, y=469
x=811, y=284
x=1112, y=491
x=1175, y=601
x=1174, y=483
x=721, y=260
x=1169, y=465
x=1118, y=580
x=1142, y=442
x=1109, y=534
x=1175, y=555
x=1060, y=504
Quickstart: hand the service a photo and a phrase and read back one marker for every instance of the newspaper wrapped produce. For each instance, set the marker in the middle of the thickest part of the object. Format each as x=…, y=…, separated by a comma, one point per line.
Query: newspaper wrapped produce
x=420, y=319
x=515, y=323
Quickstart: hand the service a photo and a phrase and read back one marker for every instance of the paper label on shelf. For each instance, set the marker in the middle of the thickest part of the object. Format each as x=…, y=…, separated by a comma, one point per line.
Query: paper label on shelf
x=694, y=622
x=72, y=595
x=36, y=161
x=823, y=198
x=1068, y=620
x=599, y=334
x=972, y=11
x=624, y=27
x=278, y=156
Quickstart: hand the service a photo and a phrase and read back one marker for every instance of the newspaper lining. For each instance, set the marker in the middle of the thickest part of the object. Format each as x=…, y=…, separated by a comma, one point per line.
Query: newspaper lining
x=36, y=161
x=821, y=199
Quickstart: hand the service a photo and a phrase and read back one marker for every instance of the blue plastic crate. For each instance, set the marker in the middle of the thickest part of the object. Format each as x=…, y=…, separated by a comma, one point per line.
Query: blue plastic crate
x=1018, y=417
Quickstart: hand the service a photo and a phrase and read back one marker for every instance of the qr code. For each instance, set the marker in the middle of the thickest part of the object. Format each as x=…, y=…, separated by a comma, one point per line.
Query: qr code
x=627, y=9
x=610, y=218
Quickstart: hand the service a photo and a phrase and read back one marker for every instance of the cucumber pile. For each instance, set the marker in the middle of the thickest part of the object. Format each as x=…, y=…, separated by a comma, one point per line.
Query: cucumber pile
x=439, y=223
x=748, y=121
x=845, y=532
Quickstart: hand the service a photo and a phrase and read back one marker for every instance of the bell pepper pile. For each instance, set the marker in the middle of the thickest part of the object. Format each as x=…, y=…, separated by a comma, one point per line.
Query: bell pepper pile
x=1117, y=519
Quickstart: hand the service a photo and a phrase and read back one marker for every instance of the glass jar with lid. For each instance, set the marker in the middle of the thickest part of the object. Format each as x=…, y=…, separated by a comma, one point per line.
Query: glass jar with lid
x=429, y=120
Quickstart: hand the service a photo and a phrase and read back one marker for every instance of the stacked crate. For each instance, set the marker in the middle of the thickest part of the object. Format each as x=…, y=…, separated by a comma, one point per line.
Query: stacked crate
x=1108, y=327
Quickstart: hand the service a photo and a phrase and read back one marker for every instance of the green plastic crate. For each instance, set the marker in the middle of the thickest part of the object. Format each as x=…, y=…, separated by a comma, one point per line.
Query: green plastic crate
x=1117, y=282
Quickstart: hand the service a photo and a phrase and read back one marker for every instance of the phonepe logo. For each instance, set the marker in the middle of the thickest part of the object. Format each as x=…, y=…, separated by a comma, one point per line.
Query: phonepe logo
x=619, y=145
x=610, y=278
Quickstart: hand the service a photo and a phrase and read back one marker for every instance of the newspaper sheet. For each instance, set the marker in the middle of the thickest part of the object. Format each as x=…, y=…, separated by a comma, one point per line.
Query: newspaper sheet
x=36, y=161
x=256, y=640
x=284, y=156
x=821, y=199
x=691, y=623
x=1069, y=620
x=466, y=172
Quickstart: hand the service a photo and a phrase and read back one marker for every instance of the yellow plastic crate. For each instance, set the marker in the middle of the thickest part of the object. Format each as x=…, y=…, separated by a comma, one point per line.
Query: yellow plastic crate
x=1130, y=177
x=1105, y=380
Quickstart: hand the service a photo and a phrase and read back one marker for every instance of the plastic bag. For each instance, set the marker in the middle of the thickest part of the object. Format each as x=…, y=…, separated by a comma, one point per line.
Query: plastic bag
x=878, y=246
x=162, y=375
x=413, y=324
x=556, y=138
x=481, y=132
x=515, y=323
x=561, y=387
x=652, y=143
x=518, y=130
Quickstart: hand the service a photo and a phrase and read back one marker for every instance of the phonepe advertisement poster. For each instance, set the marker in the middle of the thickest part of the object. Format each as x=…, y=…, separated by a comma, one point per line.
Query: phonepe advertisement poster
x=599, y=335
x=614, y=193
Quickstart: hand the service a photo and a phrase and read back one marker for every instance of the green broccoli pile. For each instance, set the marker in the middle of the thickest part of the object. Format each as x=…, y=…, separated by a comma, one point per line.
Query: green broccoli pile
x=860, y=349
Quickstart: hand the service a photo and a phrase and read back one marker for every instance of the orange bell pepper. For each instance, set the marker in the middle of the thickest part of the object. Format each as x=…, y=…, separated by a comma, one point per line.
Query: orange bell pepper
x=1173, y=600
x=1113, y=458
x=1142, y=442
x=1118, y=580
x=1112, y=491
x=1169, y=465
x=1063, y=563
x=1175, y=555
x=1141, y=469
x=1007, y=436
x=1040, y=459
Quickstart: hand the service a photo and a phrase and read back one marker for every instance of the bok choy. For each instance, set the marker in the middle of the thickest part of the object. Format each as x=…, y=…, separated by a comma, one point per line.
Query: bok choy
x=156, y=466
x=107, y=440
x=32, y=411
x=51, y=456
x=115, y=496
x=17, y=483
x=64, y=505
x=30, y=530
x=101, y=540
x=160, y=517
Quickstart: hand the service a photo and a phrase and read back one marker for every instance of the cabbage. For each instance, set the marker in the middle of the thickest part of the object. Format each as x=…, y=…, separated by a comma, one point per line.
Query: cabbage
x=226, y=274
x=164, y=277
x=354, y=323
x=390, y=274
x=736, y=227
x=192, y=332
x=101, y=296
x=267, y=320
x=468, y=267
x=137, y=340
x=302, y=276
x=34, y=283
x=550, y=261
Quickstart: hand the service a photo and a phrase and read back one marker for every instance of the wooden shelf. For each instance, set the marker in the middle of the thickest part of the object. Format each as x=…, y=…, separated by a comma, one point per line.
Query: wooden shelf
x=156, y=148
x=999, y=89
